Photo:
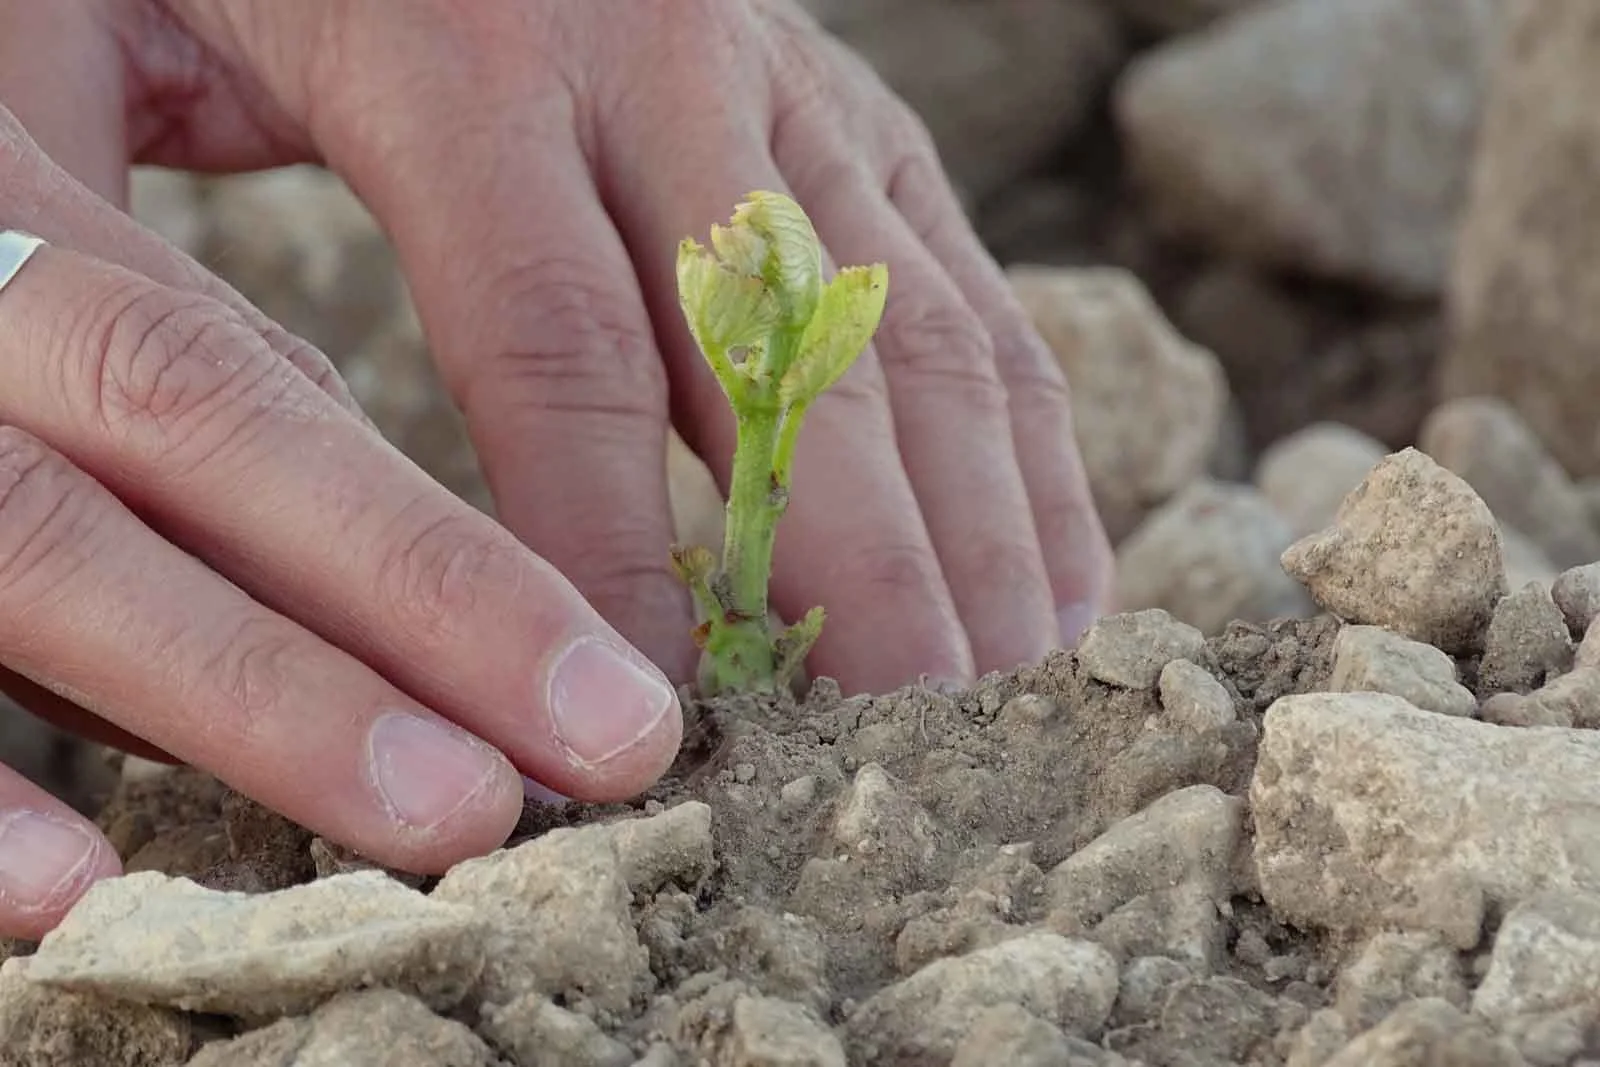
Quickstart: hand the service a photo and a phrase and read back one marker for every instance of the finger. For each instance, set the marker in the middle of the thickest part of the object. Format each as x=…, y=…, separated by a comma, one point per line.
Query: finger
x=96, y=605
x=853, y=538
x=950, y=412
x=1077, y=553
x=40, y=196
x=541, y=336
x=65, y=715
x=49, y=856
x=182, y=410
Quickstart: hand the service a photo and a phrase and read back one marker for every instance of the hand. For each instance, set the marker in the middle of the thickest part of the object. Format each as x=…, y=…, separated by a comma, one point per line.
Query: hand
x=536, y=163
x=206, y=552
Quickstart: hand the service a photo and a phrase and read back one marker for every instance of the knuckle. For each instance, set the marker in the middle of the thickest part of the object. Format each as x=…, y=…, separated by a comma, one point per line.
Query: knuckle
x=943, y=347
x=436, y=580
x=584, y=349
x=310, y=362
x=249, y=673
x=173, y=373
x=46, y=511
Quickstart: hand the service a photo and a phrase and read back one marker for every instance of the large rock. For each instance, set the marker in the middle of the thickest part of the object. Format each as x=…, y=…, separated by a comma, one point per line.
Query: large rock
x=1525, y=292
x=1307, y=475
x=1371, y=813
x=1333, y=138
x=1148, y=405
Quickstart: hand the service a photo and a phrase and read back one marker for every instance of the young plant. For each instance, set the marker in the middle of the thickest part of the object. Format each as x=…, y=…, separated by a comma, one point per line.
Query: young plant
x=775, y=337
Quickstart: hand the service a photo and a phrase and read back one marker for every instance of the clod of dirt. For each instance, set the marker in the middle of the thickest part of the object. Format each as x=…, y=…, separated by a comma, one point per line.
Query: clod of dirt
x=151, y=939
x=369, y=1028
x=1370, y=659
x=45, y=1027
x=1413, y=549
x=1490, y=815
x=1527, y=643
x=734, y=1026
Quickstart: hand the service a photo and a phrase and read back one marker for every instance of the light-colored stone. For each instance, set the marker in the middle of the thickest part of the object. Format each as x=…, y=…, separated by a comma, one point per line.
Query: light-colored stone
x=1546, y=957
x=1527, y=644
x=1428, y=1031
x=1371, y=813
x=1393, y=968
x=1070, y=984
x=45, y=1027
x=1524, y=300
x=1167, y=17
x=1486, y=442
x=1412, y=549
x=1307, y=474
x=1572, y=699
x=1131, y=648
x=1192, y=697
x=559, y=906
x=1329, y=137
x=532, y=1029
x=1370, y=659
x=1147, y=405
x=1577, y=593
x=151, y=939
x=1210, y=555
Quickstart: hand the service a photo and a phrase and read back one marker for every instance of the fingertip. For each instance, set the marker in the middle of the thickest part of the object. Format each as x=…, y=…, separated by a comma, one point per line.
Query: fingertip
x=48, y=860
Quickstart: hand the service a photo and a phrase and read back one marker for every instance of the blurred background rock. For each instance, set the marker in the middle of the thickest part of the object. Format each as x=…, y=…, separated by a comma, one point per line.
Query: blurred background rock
x=1266, y=238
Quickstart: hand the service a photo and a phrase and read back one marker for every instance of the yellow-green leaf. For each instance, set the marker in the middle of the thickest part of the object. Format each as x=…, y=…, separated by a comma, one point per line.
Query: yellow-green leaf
x=793, y=266
x=847, y=316
x=725, y=310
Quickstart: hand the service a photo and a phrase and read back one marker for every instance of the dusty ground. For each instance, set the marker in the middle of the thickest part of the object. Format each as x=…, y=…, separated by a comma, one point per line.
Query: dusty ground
x=1328, y=793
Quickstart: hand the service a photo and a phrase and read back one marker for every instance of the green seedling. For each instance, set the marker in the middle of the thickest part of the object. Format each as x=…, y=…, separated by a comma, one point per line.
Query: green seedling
x=776, y=338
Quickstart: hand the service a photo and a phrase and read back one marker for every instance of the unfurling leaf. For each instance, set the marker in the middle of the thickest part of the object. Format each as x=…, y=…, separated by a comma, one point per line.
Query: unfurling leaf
x=848, y=313
x=793, y=265
x=725, y=310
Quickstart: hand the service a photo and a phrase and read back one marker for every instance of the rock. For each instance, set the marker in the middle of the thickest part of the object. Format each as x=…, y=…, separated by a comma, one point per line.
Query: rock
x=1523, y=294
x=1370, y=659
x=1130, y=371
x=1573, y=699
x=1169, y=17
x=1306, y=475
x=371, y=1028
x=1069, y=984
x=1527, y=643
x=1190, y=836
x=1183, y=923
x=1192, y=697
x=1333, y=139
x=1008, y=1034
x=1490, y=815
x=1393, y=968
x=1147, y=981
x=44, y=1027
x=1315, y=1043
x=532, y=1029
x=1211, y=1022
x=1130, y=649
x=1577, y=593
x=1210, y=555
x=1428, y=1031
x=1414, y=550
x=1000, y=83
x=151, y=939
x=1588, y=653
x=1516, y=709
x=731, y=1027
x=1546, y=957
x=560, y=904
x=1486, y=442
x=875, y=817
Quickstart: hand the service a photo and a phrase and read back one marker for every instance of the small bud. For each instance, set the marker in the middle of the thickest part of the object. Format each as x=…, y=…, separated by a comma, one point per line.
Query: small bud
x=792, y=267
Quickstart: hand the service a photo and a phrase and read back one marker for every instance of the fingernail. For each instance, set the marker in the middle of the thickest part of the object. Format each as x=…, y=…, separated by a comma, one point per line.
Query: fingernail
x=604, y=702
x=41, y=857
x=426, y=771
x=540, y=793
x=1074, y=619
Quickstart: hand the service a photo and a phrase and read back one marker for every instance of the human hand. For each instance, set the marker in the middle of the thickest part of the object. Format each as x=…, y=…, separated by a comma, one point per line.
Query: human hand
x=206, y=553
x=536, y=164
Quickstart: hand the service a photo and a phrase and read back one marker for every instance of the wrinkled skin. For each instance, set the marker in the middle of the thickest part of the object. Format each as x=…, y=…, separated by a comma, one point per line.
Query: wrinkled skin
x=208, y=555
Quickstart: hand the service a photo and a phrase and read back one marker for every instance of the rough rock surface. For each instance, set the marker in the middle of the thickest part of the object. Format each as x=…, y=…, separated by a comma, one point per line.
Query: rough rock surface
x=1334, y=138
x=1371, y=567
x=1370, y=659
x=1129, y=371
